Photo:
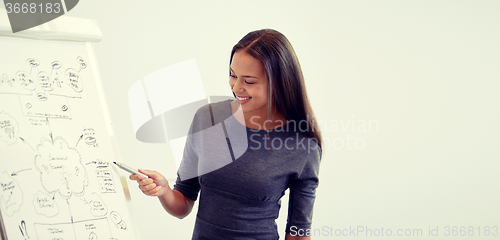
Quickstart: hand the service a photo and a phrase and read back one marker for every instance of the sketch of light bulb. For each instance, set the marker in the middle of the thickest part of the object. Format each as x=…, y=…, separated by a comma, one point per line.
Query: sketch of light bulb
x=117, y=220
x=10, y=132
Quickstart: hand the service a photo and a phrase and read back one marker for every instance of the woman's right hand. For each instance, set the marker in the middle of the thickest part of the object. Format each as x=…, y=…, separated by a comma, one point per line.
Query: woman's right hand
x=156, y=185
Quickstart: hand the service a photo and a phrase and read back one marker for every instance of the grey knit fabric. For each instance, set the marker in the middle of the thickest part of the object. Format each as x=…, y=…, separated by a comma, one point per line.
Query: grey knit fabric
x=243, y=173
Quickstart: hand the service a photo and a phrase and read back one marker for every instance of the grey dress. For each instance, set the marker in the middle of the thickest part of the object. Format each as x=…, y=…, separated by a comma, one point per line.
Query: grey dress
x=242, y=173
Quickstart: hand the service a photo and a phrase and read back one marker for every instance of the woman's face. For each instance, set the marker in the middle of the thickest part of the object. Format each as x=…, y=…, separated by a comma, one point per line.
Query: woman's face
x=249, y=82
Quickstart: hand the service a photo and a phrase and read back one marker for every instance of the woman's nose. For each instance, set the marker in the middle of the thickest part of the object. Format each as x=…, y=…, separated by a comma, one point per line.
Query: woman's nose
x=237, y=87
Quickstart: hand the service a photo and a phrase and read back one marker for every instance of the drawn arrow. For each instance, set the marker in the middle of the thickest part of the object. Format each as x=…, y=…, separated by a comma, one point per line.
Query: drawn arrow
x=70, y=213
x=48, y=124
x=15, y=173
x=79, y=140
x=93, y=162
x=22, y=139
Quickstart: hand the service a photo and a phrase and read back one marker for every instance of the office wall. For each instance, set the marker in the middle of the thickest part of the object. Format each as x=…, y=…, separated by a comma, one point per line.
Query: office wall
x=406, y=93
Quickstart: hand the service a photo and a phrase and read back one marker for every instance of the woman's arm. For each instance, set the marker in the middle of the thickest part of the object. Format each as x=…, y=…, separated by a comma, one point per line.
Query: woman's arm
x=177, y=205
x=303, y=187
x=172, y=201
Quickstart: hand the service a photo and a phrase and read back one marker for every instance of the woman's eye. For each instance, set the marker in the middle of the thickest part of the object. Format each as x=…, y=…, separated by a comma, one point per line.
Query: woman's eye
x=232, y=76
x=249, y=82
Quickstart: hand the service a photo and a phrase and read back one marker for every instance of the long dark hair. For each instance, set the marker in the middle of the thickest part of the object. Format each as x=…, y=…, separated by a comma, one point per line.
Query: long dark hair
x=287, y=92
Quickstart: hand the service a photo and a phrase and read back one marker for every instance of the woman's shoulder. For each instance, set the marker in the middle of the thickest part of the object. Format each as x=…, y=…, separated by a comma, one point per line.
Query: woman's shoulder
x=210, y=113
x=215, y=107
x=297, y=142
x=308, y=146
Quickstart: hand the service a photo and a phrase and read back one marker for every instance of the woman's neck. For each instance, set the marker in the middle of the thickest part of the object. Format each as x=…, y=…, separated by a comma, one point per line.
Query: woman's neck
x=257, y=119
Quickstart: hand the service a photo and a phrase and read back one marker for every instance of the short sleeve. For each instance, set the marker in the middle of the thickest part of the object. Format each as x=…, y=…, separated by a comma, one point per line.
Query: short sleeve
x=302, y=195
x=189, y=188
x=187, y=180
x=187, y=175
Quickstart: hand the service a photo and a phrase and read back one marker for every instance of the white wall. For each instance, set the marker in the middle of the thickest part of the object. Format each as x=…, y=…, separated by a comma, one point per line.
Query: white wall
x=423, y=73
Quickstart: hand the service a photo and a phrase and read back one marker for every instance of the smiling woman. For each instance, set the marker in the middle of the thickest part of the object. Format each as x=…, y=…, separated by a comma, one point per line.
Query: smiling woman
x=249, y=83
x=241, y=180
x=269, y=59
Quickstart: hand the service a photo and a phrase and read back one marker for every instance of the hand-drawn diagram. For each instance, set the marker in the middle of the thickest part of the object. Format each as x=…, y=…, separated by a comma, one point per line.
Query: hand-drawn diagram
x=61, y=168
x=105, y=180
x=117, y=220
x=79, y=230
x=97, y=206
x=56, y=181
x=62, y=171
x=89, y=136
x=8, y=128
x=45, y=205
x=42, y=93
x=11, y=197
x=63, y=176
